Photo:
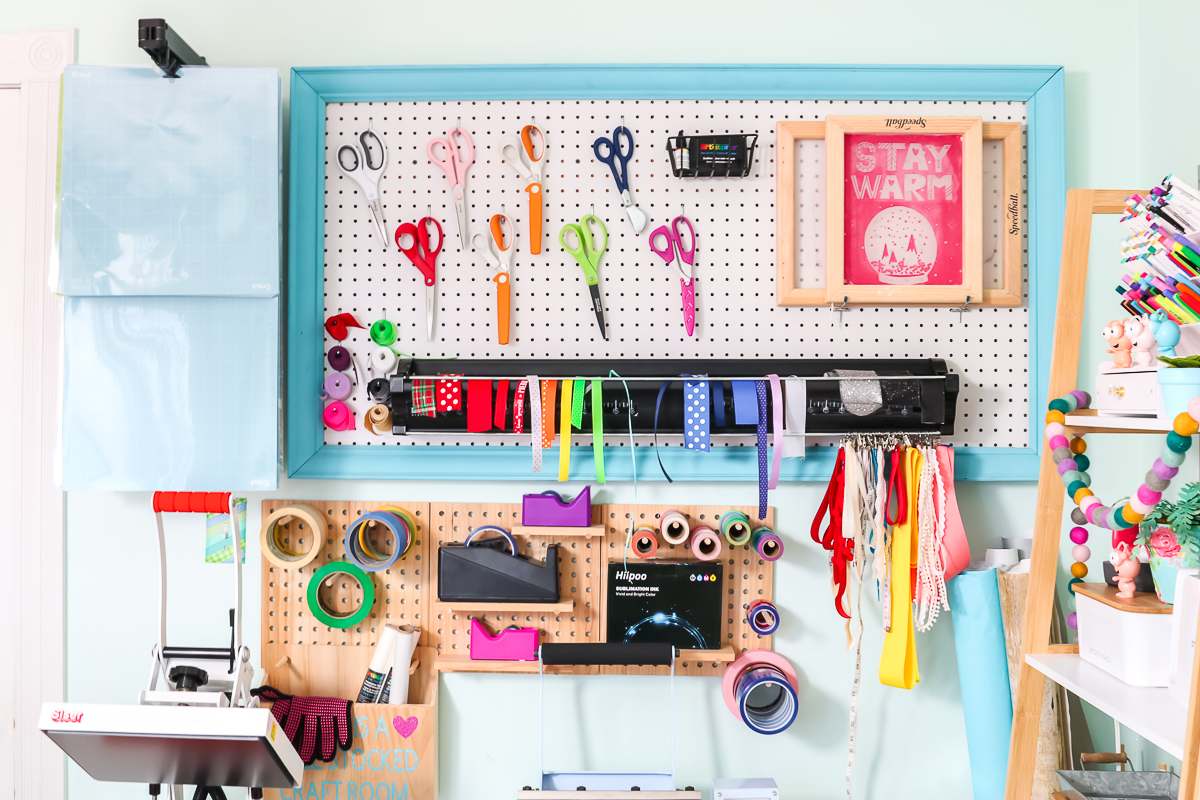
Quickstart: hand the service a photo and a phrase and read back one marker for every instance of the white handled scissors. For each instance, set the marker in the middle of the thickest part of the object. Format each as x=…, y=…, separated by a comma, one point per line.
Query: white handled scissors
x=456, y=173
x=366, y=174
x=491, y=246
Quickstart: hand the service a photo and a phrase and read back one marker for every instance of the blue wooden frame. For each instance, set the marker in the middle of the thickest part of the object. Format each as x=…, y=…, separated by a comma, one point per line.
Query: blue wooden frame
x=1040, y=87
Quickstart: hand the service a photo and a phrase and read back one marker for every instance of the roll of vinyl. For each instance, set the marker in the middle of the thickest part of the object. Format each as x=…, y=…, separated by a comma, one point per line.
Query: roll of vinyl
x=383, y=360
x=406, y=644
x=338, y=417
x=763, y=617
x=280, y=555
x=674, y=527
x=378, y=420
x=329, y=618
x=705, y=543
x=358, y=548
x=337, y=386
x=383, y=333
x=645, y=542
x=766, y=543
x=735, y=527
x=508, y=537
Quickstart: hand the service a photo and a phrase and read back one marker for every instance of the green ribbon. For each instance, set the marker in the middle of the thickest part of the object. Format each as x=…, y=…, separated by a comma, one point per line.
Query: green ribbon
x=383, y=333
x=597, y=429
x=577, y=406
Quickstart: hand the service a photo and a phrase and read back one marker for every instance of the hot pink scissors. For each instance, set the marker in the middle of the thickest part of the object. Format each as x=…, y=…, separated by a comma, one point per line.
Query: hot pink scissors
x=683, y=259
x=456, y=173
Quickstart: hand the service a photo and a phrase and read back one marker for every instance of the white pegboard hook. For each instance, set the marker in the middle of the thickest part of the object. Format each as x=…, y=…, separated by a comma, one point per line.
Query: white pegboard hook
x=844, y=307
x=965, y=307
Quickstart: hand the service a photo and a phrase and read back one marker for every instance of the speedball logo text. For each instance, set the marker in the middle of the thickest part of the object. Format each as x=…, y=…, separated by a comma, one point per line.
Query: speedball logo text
x=623, y=575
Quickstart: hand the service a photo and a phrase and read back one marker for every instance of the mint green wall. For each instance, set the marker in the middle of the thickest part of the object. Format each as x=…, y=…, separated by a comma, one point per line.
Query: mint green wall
x=911, y=744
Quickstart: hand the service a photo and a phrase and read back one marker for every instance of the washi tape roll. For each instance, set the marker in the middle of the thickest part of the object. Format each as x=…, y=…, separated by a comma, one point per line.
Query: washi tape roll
x=706, y=544
x=278, y=552
x=383, y=333
x=383, y=360
x=767, y=543
x=763, y=617
x=409, y=520
x=358, y=546
x=735, y=527
x=378, y=420
x=645, y=542
x=332, y=619
x=766, y=700
x=337, y=386
x=338, y=417
x=508, y=537
x=674, y=527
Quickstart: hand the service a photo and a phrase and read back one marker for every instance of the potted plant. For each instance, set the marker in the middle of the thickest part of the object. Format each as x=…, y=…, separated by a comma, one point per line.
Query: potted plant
x=1179, y=383
x=1171, y=535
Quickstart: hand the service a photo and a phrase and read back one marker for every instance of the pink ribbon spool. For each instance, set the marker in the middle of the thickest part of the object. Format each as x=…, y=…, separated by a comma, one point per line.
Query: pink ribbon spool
x=338, y=417
x=337, y=386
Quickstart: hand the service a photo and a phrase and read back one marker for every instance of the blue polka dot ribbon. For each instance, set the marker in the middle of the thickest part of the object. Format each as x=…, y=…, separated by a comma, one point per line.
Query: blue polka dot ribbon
x=696, y=416
x=760, y=389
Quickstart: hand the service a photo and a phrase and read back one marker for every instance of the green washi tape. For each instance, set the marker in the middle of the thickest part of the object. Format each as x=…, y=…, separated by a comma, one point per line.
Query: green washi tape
x=736, y=527
x=322, y=614
x=383, y=333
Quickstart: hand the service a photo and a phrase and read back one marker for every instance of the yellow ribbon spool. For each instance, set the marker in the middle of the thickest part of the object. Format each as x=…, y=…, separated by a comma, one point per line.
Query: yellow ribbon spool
x=275, y=551
x=898, y=667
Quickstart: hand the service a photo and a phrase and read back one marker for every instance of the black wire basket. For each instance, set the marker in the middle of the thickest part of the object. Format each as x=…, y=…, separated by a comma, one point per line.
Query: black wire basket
x=712, y=156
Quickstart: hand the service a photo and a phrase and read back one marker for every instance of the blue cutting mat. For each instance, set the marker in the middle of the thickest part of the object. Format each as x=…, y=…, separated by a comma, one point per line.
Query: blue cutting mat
x=170, y=187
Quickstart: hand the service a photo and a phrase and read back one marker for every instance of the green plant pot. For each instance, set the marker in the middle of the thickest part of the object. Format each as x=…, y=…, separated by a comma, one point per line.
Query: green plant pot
x=1179, y=386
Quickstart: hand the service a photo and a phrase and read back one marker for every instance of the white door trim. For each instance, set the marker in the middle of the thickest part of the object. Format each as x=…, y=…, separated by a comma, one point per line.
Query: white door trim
x=33, y=62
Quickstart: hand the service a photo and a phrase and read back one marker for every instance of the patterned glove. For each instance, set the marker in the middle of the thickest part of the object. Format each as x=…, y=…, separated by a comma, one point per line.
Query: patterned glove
x=310, y=723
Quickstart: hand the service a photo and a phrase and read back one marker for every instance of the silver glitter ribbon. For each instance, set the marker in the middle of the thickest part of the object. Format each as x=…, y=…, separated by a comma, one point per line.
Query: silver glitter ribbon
x=859, y=397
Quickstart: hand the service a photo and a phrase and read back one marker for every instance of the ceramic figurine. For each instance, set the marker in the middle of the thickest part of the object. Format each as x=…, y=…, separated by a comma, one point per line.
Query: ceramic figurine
x=1127, y=566
x=1165, y=331
x=1137, y=329
x=1119, y=344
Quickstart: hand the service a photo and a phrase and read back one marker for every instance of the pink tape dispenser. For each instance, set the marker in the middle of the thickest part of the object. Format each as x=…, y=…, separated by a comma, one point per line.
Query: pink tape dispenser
x=510, y=644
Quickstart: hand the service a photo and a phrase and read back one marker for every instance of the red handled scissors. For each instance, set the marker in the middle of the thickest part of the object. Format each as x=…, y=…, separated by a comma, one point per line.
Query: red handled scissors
x=424, y=259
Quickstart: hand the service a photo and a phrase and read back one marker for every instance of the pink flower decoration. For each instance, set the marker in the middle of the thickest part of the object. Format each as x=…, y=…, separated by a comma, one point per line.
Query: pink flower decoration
x=1165, y=544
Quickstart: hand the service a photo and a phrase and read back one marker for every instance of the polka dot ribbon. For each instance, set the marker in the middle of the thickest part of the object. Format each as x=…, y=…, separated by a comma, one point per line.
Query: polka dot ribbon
x=535, y=421
x=449, y=395
x=760, y=390
x=696, y=416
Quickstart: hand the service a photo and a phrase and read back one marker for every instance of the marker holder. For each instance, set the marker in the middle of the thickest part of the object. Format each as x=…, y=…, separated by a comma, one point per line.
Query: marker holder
x=711, y=156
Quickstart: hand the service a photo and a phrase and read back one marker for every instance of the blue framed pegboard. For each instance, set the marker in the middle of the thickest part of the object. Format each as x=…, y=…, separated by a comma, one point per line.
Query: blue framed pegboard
x=1041, y=88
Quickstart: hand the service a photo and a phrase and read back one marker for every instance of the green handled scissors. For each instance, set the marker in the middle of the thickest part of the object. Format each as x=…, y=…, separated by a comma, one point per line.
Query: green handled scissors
x=588, y=255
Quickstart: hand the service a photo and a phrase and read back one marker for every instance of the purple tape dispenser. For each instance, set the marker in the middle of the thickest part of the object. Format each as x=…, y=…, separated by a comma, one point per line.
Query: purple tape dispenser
x=549, y=510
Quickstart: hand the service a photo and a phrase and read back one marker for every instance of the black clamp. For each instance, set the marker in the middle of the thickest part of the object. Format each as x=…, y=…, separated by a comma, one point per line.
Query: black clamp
x=166, y=48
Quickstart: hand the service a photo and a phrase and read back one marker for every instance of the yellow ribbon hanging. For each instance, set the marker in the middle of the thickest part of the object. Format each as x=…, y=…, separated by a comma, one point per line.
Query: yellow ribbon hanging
x=564, y=441
x=898, y=667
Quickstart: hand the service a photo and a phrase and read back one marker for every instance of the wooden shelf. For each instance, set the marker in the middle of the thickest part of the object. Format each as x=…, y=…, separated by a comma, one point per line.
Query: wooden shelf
x=1148, y=711
x=591, y=531
x=1140, y=603
x=466, y=664
x=471, y=607
x=1088, y=421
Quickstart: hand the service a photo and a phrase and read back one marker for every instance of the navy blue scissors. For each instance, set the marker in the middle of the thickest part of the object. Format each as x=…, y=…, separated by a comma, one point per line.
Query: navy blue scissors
x=618, y=162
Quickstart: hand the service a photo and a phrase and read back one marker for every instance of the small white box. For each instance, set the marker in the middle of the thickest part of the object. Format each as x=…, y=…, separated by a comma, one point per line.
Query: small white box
x=744, y=789
x=1127, y=638
x=1184, y=619
x=1132, y=392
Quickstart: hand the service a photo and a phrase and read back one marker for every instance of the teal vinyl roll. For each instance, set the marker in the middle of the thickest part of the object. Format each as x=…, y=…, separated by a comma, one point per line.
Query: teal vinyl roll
x=983, y=677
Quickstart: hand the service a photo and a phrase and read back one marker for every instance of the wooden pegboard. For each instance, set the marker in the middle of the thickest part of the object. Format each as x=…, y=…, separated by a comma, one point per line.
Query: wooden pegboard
x=401, y=591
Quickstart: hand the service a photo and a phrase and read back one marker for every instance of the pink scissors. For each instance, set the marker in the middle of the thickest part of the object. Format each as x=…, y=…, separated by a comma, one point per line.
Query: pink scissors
x=456, y=173
x=683, y=259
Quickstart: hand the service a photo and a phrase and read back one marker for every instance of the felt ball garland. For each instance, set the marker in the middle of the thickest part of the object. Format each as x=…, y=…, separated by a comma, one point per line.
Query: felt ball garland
x=1072, y=467
x=1081, y=553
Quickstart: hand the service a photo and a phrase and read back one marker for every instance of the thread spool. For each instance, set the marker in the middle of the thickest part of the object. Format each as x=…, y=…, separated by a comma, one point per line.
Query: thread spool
x=674, y=527
x=705, y=543
x=735, y=526
x=763, y=617
x=766, y=543
x=645, y=542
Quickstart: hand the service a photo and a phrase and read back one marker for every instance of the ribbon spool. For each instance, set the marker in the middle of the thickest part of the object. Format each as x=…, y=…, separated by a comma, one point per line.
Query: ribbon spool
x=383, y=333
x=336, y=386
x=383, y=360
x=508, y=537
x=329, y=618
x=674, y=527
x=341, y=360
x=706, y=544
x=338, y=417
x=359, y=549
x=379, y=390
x=378, y=420
x=735, y=526
x=277, y=552
x=338, y=326
x=763, y=617
x=645, y=542
x=767, y=543
x=760, y=688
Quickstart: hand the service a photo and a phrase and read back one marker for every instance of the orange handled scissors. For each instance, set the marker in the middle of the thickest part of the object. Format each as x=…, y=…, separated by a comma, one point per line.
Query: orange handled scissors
x=527, y=157
x=491, y=246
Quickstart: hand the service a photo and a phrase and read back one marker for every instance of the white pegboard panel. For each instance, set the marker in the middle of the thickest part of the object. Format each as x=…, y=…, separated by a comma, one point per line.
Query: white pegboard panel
x=736, y=315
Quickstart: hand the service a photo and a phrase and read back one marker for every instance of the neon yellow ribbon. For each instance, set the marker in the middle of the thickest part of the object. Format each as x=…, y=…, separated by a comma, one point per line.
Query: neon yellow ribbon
x=564, y=442
x=898, y=667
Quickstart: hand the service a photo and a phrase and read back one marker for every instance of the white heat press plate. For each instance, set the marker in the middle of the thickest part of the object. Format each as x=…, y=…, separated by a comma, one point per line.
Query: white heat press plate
x=174, y=744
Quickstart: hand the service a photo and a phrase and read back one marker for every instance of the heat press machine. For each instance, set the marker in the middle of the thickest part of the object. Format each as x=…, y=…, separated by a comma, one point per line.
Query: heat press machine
x=606, y=785
x=196, y=723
